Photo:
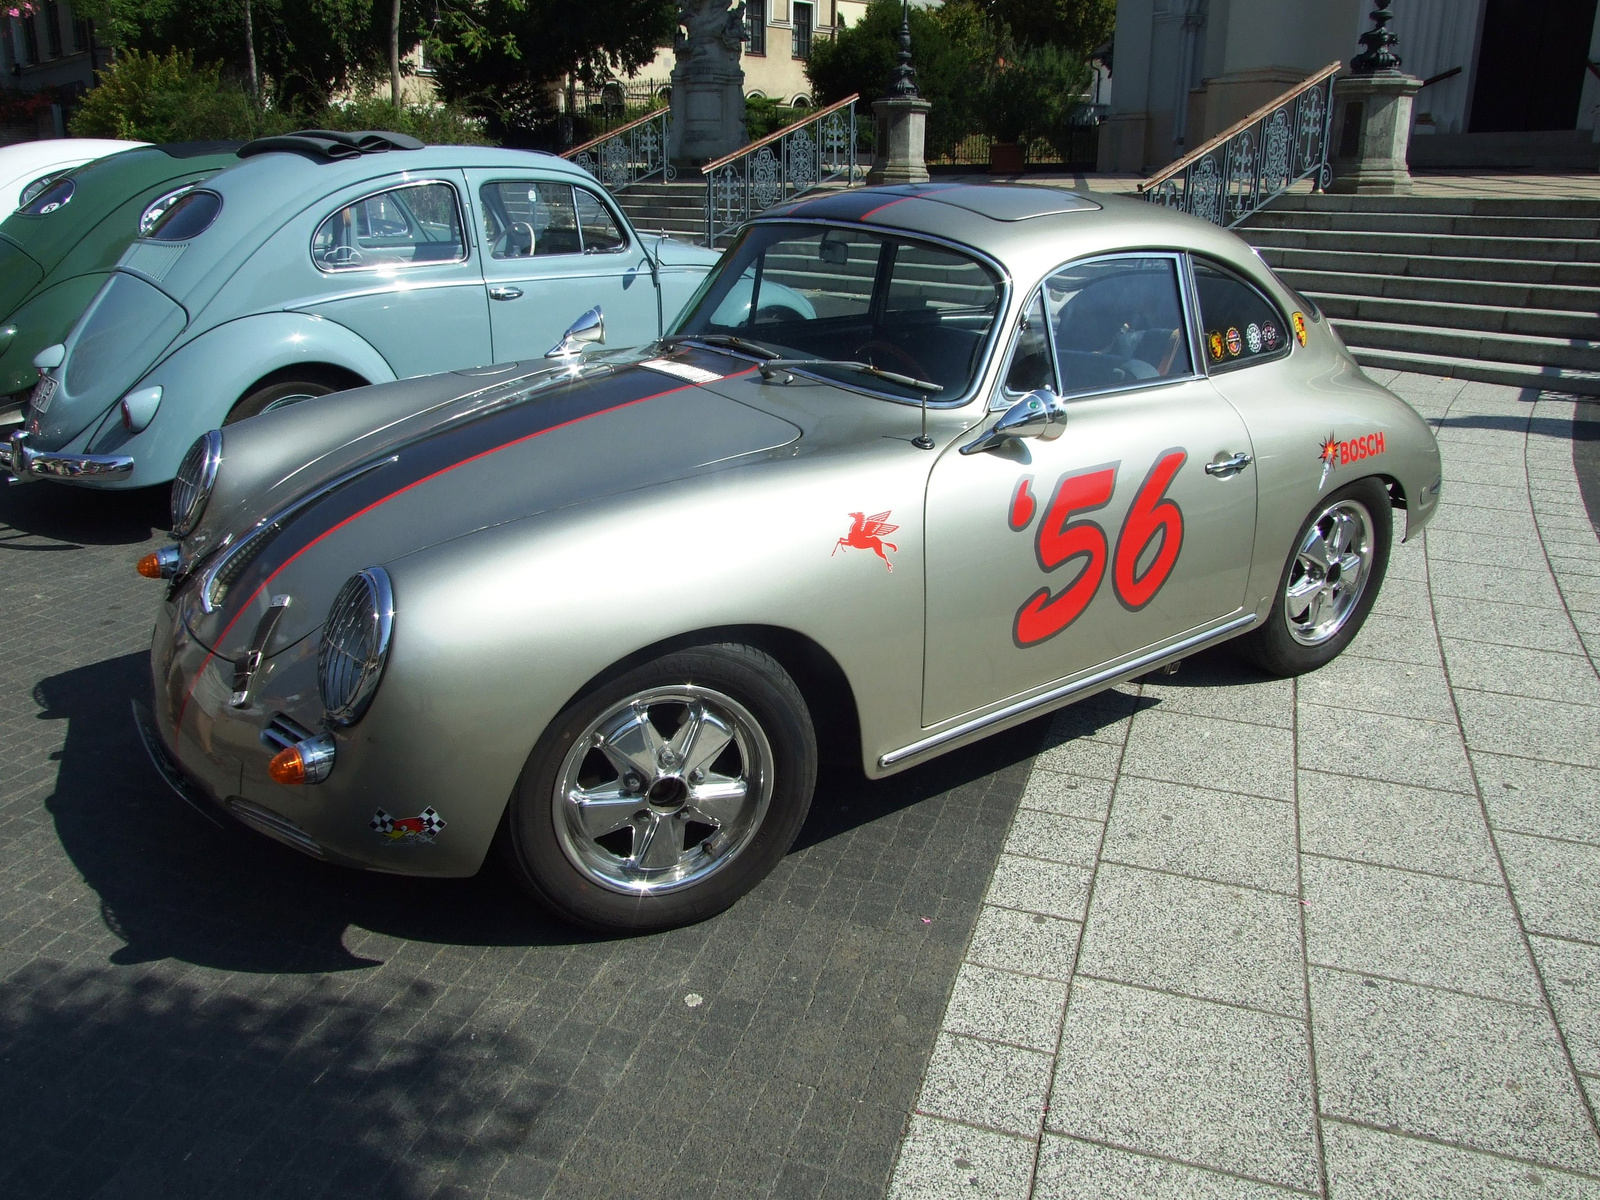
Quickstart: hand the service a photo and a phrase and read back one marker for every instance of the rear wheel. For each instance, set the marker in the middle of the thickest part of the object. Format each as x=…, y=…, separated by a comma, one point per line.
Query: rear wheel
x=661, y=797
x=1329, y=583
x=282, y=393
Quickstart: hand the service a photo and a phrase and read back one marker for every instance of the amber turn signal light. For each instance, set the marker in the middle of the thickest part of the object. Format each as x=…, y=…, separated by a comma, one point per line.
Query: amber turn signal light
x=159, y=564
x=304, y=762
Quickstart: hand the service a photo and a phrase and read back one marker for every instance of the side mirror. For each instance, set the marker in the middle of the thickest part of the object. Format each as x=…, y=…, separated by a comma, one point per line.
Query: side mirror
x=588, y=329
x=1041, y=414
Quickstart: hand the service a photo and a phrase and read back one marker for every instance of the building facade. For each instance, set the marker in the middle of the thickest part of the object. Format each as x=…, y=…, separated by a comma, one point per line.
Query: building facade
x=1498, y=71
x=48, y=47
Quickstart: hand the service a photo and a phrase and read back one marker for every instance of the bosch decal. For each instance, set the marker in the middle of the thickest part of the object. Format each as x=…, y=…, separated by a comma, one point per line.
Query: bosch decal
x=1066, y=536
x=422, y=828
x=867, y=533
x=1334, y=453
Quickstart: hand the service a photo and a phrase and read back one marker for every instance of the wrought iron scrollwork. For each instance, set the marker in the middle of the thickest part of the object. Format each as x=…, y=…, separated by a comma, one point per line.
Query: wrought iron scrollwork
x=635, y=152
x=1242, y=169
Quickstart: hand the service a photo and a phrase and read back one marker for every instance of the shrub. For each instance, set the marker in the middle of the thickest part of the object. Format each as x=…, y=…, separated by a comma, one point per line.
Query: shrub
x=1033, y=94
x=763, y=116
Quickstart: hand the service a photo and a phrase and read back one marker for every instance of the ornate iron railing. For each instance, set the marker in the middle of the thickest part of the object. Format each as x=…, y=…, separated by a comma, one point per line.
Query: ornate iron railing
x=1247, y=164
x=817, y=150
x=629, y=154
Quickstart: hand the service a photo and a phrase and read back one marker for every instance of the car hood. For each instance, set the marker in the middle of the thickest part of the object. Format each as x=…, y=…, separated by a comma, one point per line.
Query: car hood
x=19, y=275
x=549, y=439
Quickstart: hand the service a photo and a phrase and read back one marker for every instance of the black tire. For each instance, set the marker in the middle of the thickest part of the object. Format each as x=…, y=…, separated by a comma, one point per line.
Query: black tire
x=280, y=393
x=1272, y=646
x=551, y=872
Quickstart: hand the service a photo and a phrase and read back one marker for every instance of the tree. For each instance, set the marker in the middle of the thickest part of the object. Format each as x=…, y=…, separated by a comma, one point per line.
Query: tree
x=499, y=58
x=952, y=49
x=1076, y=26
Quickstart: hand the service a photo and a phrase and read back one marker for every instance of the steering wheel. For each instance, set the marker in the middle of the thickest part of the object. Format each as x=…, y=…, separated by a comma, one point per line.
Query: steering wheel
x=906, y=365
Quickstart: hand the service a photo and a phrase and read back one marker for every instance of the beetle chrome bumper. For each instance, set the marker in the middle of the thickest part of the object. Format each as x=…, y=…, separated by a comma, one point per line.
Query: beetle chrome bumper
x=25, y=463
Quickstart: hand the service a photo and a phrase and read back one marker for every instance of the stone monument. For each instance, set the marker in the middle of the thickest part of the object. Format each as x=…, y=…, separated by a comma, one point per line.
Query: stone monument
x=1372, y=116
x=901, y=120
x=707, y=83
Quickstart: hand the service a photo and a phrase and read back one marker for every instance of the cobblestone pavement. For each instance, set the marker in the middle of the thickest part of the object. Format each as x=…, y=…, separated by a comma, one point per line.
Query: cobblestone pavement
x=1334, y=936
x=189, y=1012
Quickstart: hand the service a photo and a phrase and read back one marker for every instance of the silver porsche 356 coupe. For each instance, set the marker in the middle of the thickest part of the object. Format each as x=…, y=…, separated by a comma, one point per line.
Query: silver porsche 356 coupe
x=1016, y=445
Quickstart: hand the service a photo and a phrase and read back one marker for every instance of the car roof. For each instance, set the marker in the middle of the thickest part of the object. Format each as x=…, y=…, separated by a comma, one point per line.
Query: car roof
x=1027, y=228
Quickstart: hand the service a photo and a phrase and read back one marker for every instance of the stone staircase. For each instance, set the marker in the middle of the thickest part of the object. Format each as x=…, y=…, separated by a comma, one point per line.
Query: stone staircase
x=678, y=208
x=1499, y=289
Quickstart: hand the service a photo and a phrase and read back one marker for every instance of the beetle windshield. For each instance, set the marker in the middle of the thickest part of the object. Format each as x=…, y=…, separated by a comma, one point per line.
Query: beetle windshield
x=830, y=294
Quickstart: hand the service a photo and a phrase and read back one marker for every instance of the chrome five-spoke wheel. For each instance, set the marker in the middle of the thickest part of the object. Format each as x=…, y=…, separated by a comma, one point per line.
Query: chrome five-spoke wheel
x=663, y=789
x=1330, y=572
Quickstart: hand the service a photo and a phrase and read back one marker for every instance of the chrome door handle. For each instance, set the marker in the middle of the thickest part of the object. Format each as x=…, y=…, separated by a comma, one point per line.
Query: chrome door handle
x=1230, y=466
x=504, y=293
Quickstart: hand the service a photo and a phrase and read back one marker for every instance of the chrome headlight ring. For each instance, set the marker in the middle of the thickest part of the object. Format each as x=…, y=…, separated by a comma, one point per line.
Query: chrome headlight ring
x=355, y=645
x=197, y=475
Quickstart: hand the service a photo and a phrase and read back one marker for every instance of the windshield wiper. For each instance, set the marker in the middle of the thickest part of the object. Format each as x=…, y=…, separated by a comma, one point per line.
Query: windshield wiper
x=776, y=366
x=724, y=339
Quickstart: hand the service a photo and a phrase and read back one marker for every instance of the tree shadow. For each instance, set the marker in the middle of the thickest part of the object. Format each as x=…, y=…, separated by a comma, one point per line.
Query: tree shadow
x=78, y=516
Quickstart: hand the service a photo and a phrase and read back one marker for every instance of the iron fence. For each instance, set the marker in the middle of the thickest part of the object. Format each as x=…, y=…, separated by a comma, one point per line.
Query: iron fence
x=629, y=154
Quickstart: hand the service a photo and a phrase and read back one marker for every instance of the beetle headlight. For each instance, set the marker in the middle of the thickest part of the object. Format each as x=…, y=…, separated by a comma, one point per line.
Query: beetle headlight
x=197, y=475
x=355, y=644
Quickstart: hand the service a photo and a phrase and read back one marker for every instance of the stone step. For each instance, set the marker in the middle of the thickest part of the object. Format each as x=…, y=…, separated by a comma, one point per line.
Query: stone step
x=1555, y=379
x=1478, y=206
x=1532, y=322
x=1508, y=226
x=1498, y=270
x=1454, y=343
x=1431, y=245
x=1463, y=291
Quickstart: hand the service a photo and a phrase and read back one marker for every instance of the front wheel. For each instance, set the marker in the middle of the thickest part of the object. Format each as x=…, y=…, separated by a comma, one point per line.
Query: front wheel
x=280, y=395
x=1329, y=583
x=661, y=797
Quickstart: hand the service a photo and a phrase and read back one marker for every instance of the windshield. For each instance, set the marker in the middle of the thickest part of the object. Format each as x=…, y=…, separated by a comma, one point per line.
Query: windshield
x=817, y=292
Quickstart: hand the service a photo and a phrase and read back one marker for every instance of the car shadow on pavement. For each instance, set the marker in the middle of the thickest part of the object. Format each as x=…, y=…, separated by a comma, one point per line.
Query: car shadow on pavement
x=172, y=885
x=77, y=516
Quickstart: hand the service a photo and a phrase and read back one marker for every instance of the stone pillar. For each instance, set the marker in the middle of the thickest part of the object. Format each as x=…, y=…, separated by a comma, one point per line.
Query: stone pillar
x=1371, y=131
x=707, y=83
x=902, y=132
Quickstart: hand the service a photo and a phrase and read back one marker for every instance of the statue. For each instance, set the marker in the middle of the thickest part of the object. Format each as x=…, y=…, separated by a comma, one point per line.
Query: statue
x=707, y=83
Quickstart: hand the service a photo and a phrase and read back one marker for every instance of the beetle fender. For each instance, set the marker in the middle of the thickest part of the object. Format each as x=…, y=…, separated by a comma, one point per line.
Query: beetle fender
x=204, y=378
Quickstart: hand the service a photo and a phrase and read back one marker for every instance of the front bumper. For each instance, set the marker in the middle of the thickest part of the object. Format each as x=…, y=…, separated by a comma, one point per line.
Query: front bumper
x=25, y=463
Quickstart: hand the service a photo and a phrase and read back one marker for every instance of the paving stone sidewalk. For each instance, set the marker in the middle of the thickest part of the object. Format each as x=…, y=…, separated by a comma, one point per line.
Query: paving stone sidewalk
x=1336, y=936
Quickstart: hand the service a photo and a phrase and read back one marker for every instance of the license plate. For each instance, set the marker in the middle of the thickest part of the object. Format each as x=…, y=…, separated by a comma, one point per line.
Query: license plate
x=43, y=391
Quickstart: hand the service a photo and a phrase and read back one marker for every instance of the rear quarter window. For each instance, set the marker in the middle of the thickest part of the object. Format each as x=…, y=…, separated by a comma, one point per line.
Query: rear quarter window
x=1240, y=326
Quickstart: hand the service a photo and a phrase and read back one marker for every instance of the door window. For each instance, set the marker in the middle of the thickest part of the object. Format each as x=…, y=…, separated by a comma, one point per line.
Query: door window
x=1118, y=322
x=406, y=226
x=529, y=220
x=1242, y=327
x=596, y=224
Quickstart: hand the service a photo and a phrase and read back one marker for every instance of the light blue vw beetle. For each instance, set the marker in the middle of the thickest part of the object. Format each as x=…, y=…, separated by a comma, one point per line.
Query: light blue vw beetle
x=326, y=261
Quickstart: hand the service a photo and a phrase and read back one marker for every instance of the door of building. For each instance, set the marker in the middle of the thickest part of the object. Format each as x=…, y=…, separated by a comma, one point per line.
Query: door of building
x=1531, y=65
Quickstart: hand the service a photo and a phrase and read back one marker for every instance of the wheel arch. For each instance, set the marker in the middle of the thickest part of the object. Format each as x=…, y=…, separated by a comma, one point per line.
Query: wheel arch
x=342, y=377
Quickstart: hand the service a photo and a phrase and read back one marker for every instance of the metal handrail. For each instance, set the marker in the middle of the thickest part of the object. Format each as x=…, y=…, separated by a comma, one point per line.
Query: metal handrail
x=818, y=149
x=629, y=153
x=1244, y=167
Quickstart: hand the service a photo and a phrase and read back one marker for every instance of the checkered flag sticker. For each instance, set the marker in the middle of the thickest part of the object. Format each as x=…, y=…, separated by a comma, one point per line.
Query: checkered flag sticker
x=432, y=822
x=382, y=822
x=422, y=827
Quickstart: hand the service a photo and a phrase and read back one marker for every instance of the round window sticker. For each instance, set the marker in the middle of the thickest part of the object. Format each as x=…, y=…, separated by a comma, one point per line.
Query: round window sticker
x=1214, y=344
x=1235, y=343
x=1252, y=337
x=1269, y=335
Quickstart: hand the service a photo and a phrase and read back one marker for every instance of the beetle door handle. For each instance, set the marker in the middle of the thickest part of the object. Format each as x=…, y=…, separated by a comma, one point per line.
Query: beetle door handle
x=504, y=293
x=1230, y=466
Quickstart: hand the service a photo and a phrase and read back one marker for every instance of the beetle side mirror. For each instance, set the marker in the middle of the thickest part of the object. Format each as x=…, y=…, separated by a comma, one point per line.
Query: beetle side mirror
x=1040, y=414
x=588, y=329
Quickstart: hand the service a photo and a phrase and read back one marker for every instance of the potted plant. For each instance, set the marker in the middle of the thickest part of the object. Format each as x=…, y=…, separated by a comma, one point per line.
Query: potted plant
x=1032, y=93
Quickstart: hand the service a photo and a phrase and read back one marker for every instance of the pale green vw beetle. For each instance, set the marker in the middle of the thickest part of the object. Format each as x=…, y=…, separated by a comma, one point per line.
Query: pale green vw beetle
x=1023, y=446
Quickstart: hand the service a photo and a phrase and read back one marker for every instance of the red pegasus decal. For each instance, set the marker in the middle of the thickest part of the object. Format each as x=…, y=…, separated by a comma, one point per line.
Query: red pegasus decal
x=867, y=533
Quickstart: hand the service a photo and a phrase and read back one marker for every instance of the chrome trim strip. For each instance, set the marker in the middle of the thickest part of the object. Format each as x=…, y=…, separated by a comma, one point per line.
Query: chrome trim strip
x=1044, y=699
x=24, y=463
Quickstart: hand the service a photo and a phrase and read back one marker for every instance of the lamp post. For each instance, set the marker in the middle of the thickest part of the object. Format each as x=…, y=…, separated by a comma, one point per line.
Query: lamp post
x=901, y=120
x=1372, y=117
x=903, y=79
x=1378, y=55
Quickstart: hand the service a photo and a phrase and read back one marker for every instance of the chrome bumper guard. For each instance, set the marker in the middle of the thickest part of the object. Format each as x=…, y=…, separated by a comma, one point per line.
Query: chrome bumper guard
x=145, y=724
x=25, y=464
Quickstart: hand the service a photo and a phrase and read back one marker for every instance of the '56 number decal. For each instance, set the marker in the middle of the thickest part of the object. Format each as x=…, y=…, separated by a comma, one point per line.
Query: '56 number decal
x=1065, y=535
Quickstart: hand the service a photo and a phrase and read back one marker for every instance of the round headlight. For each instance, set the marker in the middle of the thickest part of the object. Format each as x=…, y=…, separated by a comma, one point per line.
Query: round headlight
x=197, y=474
x=355, y=643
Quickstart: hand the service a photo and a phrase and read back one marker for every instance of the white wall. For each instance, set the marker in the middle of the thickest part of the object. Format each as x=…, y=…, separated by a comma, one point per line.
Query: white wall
x=1436, y=35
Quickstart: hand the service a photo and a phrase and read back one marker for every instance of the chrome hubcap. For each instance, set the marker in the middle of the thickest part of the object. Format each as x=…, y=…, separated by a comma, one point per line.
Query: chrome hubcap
x=1330, y=572
x=663, y=789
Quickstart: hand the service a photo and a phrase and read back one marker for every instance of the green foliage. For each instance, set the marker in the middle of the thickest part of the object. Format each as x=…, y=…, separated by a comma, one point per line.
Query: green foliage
x=1033, y=93
x=306, y=50
x=763, y=116
x=169, y=98
x=499, y=58
x=952, y=48
x=1076, y=26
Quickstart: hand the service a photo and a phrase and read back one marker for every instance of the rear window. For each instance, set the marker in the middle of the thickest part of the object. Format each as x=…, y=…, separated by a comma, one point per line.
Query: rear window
x=50, y=199
x=189, y=217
